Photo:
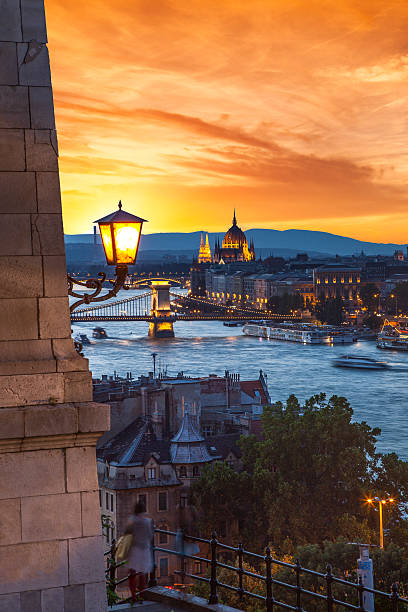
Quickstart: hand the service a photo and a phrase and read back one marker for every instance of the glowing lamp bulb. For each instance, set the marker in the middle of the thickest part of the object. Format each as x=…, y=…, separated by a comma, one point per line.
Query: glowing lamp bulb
x=120, y=232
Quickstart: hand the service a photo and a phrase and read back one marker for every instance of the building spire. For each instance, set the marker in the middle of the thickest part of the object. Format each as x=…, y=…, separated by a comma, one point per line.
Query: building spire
x=234, y=221
x=204, y=253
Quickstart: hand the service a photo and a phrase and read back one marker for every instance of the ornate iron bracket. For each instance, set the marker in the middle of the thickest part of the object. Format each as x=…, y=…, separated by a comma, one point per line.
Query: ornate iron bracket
x=97, y=284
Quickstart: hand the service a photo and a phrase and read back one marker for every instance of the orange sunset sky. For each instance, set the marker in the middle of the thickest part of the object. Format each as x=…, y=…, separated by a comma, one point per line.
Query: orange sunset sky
x=294, y=112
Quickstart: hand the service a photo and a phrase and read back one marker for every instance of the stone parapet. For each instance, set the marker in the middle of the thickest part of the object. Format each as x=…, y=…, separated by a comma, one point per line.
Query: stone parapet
x=51, y=556
x=52, y=426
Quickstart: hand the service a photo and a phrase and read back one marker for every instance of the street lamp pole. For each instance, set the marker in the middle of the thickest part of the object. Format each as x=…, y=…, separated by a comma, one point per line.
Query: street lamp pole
x=381, y=503
x=380, y=507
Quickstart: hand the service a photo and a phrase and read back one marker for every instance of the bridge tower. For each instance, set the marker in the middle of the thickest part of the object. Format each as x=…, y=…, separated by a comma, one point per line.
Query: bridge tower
x=162, y=326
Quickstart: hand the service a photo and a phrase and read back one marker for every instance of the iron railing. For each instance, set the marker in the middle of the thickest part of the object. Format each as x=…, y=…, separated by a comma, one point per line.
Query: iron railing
x=327, y=599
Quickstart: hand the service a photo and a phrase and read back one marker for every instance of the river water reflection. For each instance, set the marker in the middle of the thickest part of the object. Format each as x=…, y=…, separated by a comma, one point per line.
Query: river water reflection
x=200, y=348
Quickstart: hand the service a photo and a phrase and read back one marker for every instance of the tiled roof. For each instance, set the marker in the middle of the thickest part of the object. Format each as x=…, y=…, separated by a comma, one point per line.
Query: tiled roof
x=223, y=445
x=135, y=444
x=250, y=386
x=188, y=444
x=188, y=431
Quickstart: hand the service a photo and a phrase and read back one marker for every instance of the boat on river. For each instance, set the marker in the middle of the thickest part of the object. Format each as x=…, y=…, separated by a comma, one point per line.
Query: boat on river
x=360, y=362
x=82, y=339
x=392, y=337
x=99, y=332
x=304, y=334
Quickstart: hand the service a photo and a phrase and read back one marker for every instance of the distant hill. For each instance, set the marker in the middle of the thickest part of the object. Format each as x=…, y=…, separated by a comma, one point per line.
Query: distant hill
x=279, y=243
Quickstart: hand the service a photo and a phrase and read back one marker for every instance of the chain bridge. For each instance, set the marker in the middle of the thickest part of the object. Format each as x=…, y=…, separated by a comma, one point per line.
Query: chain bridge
x=159, y=307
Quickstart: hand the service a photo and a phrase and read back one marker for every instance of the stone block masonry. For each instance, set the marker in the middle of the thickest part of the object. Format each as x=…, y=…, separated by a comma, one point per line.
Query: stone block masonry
x=51, y=555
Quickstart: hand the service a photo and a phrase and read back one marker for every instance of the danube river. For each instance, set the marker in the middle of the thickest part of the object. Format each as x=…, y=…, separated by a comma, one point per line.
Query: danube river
x=200, y=348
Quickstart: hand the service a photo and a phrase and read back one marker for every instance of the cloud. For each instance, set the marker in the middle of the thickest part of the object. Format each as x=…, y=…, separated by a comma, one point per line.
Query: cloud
x=293, y=110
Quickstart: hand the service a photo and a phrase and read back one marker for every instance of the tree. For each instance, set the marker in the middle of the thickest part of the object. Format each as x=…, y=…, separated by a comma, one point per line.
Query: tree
x=306, y=481
x=369, y=295
x=313, y=467
x=284, y=304
x=373, y=322
x=401, y=295
x=329, y=310
x=222, y=496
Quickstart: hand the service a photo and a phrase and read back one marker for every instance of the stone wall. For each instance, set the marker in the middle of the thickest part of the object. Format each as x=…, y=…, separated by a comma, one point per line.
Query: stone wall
x=51, y=555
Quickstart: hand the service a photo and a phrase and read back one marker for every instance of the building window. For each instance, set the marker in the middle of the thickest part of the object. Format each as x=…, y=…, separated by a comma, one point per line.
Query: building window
x=100, y=498
x=183, y=472
x=111, y=503
x=164, y=567
x=142, y=499
x=162, y=501
x=196, y=471
x=107, y=501
x=151, y=473
x=183, y=501
x=163, y=537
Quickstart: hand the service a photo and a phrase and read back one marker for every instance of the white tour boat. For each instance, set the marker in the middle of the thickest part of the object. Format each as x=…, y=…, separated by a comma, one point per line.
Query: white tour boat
x=304, y=334
x=361, y=362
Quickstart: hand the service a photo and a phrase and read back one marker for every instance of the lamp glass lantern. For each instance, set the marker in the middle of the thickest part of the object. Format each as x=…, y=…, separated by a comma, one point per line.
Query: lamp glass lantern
x=120, y=232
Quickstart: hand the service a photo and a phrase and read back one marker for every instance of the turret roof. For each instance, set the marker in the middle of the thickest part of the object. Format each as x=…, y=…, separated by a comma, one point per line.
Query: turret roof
x=188, y=445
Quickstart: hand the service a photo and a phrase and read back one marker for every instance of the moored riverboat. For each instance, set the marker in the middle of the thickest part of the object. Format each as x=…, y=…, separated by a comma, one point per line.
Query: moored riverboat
x=392, y=337
x=304, y=334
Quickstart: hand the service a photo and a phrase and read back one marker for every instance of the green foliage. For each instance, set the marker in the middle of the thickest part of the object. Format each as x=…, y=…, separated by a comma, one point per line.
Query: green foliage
x=370, y=295
x=373, y=322
x=284, y=304
x=307, y=480
x=329, y=311
x=400, y=302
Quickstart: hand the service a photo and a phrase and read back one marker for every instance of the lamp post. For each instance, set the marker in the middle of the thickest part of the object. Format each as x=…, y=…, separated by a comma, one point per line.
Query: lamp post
x=120, y=232
x=381, y=503
x=393, y=296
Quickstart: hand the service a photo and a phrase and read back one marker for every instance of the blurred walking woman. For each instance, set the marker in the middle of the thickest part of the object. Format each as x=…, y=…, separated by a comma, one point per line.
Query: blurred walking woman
x=140, y=558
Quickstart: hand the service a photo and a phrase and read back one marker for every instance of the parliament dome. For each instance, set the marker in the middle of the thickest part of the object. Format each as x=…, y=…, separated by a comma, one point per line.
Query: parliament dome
x=235, y=237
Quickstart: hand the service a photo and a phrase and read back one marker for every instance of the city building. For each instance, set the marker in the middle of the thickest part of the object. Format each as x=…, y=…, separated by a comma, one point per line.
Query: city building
x=337, y=281
x=204, y=253
x=220, y=404
x=136, y=465
x=234, y=246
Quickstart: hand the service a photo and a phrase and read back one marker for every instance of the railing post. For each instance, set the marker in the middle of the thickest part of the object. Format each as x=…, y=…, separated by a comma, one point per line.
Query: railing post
x=395, y=597
x=213, y=579
x=298, y=587
x=112, y=567
x=182, y=557
x=240, y=571
x=360, y=594
x=152, y=576
x=329, y=582
x=269, y=582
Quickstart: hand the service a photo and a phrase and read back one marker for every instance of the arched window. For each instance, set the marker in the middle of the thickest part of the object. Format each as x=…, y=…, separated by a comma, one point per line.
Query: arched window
x=183, y=471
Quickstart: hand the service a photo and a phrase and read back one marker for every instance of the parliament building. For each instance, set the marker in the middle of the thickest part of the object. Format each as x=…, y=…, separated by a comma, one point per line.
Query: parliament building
x=233, y=248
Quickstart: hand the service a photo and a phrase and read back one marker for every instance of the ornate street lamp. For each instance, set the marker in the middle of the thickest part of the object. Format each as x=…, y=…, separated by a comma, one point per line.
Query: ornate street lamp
x=120, y=232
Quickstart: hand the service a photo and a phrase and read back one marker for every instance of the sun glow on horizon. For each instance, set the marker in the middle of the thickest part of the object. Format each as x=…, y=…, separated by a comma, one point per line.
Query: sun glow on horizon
x=293, y=113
